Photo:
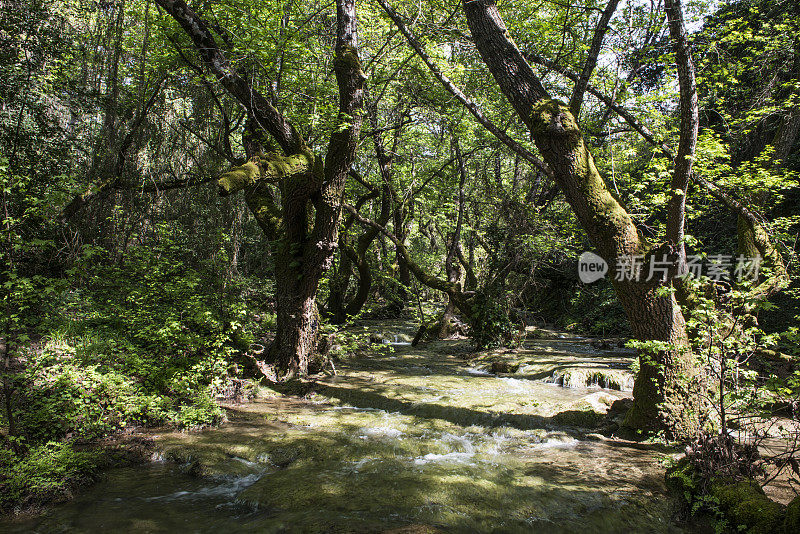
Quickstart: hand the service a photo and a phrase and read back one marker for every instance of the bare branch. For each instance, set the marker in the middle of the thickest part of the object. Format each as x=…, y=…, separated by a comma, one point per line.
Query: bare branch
x=426, y=279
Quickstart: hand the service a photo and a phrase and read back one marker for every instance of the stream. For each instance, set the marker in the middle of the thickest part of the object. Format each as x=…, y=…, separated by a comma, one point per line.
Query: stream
x=419, y=439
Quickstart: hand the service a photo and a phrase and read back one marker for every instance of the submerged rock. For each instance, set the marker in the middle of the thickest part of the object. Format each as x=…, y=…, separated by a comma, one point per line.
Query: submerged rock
x=504, y=367
x=579, y=418
x=282, y=456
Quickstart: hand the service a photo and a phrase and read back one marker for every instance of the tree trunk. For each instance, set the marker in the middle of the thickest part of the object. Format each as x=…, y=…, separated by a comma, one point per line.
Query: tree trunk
x=786, y=137
x=297, y=332
x=403, y=272
x=339, y=284
x=660, y=401
x=364, y=282
x=303, y=224
x=452, y=267
x=663, y=391
x=339, y=309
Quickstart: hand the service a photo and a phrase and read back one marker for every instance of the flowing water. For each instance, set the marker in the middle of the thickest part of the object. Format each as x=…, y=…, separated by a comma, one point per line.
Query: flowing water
x=422, y=439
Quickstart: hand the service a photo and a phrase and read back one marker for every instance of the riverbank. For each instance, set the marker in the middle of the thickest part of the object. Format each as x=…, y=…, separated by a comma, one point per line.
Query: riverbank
x=62, y=472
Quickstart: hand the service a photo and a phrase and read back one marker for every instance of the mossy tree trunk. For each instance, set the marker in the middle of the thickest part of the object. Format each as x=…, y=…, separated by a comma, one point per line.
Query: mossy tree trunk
x=294, y=195
x=297, y=330
x=339, y=309
x=664, y=392
x=452, y=266
x=661, y=400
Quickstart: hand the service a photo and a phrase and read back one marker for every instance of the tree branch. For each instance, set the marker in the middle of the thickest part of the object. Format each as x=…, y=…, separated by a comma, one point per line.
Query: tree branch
x=97, y=190
x=468, y=103
x=676, y=208
x=267, y=116
x=555, y=132
x=626, y=115
x=576, y=99
x=424, y=278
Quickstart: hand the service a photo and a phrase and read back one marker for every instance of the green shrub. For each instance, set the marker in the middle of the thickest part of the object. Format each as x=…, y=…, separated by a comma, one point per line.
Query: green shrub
x=62, y=399
x=491, y=324
x=148, y=341
x=44, y=474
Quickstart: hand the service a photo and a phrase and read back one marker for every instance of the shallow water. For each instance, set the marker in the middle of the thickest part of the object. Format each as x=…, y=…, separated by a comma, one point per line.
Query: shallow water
x=420, y=436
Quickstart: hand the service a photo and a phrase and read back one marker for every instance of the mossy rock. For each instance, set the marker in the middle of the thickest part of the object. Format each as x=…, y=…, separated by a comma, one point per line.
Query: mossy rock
x=378, y=337
x=791, y=522
x=759, y=515
x=579, y=418
x=745, y=505
x=731, y=493
x=619, y=408
x=442, y=328
x=208, y=462
x=501, y=366
x=283, y=456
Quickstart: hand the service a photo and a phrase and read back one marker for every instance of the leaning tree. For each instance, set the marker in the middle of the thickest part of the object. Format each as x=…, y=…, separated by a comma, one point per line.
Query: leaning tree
x=662, y=395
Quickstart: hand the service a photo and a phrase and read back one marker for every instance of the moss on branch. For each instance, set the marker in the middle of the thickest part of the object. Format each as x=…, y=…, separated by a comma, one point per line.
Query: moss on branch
x=271, y=168
x=238, y=178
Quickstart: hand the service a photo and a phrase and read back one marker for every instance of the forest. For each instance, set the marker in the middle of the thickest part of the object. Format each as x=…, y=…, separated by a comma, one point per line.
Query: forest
x=400, y=267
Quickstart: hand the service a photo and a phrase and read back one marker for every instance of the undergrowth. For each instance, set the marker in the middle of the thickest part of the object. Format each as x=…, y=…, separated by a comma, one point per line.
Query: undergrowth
x=148, y=342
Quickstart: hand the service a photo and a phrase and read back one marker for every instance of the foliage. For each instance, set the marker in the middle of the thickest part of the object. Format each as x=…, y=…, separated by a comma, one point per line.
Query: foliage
x=731, y=505
x=351, y=340
x=749, y=403
x=141, y=307
x=595, y=311
x=491, y=324
x=44, y=474
x=149, y=342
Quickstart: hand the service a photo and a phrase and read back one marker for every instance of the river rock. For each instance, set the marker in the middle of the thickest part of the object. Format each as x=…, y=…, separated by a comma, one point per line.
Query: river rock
x=501, y=366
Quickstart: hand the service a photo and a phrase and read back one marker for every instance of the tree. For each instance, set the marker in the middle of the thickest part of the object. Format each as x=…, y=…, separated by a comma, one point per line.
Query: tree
x=338, y=310
x=294, y=195
x=662, y=399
